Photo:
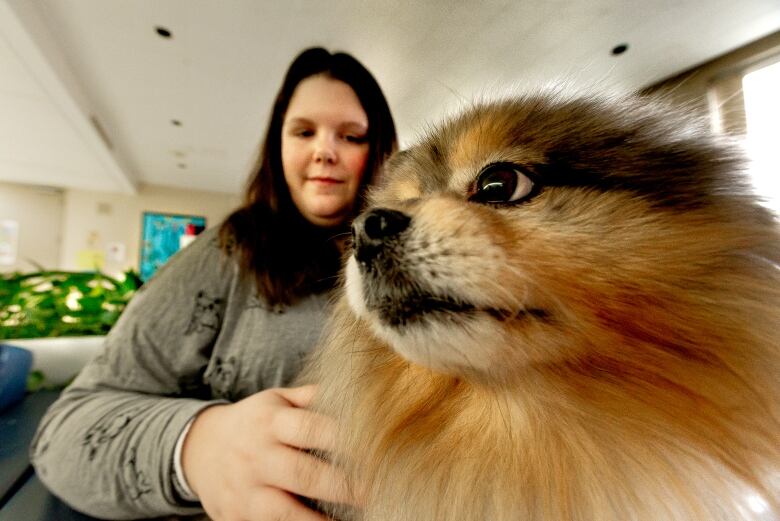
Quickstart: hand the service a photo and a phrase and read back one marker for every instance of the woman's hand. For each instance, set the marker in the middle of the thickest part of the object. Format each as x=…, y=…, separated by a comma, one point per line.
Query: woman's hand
x=244, y=462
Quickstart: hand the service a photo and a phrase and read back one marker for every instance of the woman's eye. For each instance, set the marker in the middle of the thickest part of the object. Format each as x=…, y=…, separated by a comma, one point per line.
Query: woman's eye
x=502, y=183
x=355, y=139
x=304, y=133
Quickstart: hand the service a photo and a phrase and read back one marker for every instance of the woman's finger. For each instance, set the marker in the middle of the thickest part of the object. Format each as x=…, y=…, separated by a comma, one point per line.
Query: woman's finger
x=306, y=475
x=300, y=397
x=280, y=505
x=304, y=429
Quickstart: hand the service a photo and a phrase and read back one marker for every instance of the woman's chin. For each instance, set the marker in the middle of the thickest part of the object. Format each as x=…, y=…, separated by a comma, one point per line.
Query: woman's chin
x=325, y=209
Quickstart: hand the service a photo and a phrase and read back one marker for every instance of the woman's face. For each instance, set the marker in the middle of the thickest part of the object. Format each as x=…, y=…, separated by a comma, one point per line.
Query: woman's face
x=324, y=149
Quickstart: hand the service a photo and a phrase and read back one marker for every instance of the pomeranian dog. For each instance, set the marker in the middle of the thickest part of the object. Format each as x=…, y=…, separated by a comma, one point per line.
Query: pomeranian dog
x=560, y=308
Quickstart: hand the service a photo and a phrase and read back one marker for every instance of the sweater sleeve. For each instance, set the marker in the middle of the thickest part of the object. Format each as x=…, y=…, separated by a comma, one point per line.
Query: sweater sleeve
x=106, y=446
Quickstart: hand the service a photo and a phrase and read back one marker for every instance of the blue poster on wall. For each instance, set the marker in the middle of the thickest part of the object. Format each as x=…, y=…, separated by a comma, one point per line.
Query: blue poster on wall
x=162, y=235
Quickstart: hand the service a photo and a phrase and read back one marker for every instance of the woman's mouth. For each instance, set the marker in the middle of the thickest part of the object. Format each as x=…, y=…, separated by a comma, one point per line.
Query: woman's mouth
x=326, y=180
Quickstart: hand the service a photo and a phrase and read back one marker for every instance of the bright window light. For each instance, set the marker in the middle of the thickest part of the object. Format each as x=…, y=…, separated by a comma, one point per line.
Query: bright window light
x=761, y=89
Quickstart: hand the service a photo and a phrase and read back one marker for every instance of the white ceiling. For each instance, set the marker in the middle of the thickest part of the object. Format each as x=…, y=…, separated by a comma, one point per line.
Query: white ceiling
x=88, y=89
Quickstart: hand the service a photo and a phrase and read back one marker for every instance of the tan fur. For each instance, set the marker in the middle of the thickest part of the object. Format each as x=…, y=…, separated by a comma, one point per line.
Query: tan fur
x=649, y=390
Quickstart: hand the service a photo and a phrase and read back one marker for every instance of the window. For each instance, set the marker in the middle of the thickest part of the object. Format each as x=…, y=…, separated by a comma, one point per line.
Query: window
x=761, y=92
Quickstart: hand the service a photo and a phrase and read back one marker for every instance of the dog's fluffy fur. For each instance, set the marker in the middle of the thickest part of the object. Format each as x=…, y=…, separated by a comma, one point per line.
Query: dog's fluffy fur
x=604, y=348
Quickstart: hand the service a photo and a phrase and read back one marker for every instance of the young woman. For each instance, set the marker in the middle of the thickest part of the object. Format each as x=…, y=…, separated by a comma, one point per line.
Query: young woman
x=186, y=410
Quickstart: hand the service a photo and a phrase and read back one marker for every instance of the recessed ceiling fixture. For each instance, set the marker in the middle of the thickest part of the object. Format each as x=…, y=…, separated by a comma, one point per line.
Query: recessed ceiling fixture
x=163, y=32
x=175, y=122
x=619, y=49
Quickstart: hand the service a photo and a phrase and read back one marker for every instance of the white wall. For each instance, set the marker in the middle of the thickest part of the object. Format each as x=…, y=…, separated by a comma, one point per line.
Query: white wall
x=38, y=211
x=94, y=220
x=56, y=226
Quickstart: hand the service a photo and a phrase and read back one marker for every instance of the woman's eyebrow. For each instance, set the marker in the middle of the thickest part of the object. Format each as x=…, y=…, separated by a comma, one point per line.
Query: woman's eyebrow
x=298, y=121
x=354, y=125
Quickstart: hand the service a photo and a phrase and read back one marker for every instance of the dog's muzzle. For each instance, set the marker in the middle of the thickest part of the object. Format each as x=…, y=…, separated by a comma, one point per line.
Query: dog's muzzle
x=372, y=231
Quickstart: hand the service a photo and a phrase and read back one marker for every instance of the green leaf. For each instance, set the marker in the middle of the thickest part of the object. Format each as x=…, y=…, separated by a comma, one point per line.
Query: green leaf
x=35, y=381
x=35, y=304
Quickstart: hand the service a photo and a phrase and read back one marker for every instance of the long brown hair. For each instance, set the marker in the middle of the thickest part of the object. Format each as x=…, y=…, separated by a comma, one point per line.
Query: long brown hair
x=286, y=255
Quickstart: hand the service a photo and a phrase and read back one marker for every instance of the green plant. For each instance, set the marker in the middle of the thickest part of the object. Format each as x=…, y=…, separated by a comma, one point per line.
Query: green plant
x=62, y=303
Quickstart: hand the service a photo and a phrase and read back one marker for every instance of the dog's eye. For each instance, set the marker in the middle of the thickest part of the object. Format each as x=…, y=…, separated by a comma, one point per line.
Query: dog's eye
x=502, y=183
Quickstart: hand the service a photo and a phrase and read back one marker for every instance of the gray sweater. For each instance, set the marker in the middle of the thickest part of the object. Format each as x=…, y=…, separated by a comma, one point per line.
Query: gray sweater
x=196, y=334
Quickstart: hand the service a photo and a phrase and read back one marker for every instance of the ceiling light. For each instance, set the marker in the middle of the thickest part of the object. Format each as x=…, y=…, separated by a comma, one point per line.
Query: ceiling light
x=619, y=49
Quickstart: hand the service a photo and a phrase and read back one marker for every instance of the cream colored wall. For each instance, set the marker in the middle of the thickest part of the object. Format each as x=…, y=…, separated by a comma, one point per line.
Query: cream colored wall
x=94, y=220
x=39, y=214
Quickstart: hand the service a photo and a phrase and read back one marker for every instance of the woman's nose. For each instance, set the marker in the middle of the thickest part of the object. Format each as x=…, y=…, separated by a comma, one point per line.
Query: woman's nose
x=325, y=150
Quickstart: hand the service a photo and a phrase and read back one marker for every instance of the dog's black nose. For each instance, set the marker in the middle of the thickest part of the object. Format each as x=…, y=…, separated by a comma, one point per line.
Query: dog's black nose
x=371, y=230
x=380, y=224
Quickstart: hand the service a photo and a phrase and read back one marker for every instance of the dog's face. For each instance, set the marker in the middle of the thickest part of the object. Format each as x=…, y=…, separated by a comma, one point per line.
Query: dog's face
x=532, y=231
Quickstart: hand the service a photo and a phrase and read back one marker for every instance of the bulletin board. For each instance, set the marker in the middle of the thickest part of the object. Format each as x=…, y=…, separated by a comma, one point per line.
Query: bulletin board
x=162, y=235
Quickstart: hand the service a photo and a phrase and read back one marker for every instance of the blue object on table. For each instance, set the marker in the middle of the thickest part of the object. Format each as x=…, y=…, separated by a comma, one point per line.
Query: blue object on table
x=22, y=495
x=15, y=365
